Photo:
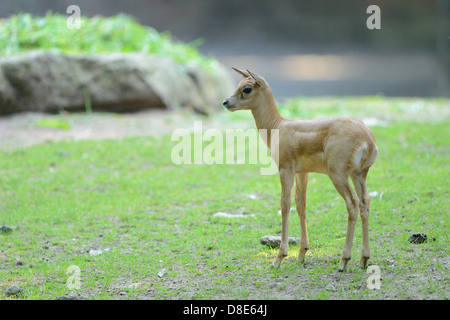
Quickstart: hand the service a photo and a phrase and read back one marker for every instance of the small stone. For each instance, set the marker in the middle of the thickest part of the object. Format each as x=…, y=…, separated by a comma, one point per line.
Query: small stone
x=418, y=238
x=254, y=196
x=161, y=273
x=373, y=194
x=93, y=252
x=330, y=287
x=6, y=229
x=13, y=290
x=233, y=215
x=122, y=293
x=70, y=297
x=275, y=241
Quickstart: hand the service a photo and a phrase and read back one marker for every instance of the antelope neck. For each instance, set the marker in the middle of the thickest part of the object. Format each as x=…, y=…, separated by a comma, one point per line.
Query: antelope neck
x=266, y=114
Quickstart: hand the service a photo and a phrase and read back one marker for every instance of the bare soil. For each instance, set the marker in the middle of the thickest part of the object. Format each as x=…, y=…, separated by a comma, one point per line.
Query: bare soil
x=22, y=130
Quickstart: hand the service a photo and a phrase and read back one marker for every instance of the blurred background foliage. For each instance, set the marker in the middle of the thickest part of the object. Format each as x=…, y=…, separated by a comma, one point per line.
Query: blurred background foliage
x=408, y=56
x=406, y=24
x=120, y=33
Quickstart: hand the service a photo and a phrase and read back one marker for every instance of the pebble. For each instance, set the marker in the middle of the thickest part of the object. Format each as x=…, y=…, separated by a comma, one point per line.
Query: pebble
x=232, y=215
x=419, y=238
x=13, y=290
x=275, y=241
x=70, y=297
x=6, y=229
x=330, y=287
x=161, y=272
x=98, y=252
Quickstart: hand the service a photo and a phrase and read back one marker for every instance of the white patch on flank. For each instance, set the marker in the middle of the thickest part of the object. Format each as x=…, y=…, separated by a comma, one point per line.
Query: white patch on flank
x=357, y=157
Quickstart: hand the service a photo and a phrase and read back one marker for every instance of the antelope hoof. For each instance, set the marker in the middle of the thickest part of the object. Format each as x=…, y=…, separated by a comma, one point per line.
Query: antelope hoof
x=276, y=263
x=301, y=256
x=343, y=264
x=364, y=262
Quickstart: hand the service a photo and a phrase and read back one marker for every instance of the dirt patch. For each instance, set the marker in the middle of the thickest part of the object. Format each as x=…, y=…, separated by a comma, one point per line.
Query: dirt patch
x=22, y=130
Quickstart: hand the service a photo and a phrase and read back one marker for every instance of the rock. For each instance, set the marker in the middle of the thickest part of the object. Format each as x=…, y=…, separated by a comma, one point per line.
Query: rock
x=6, y=229
x=275, y=241
x=49, y=82
x=7, y=95
x=254, y=196
x=94, y=252
x=13, y=291
x=373, y=194
x=161, y=272
x=330, y=287
x=419, y=238
x=70, y=297
x=232, y=215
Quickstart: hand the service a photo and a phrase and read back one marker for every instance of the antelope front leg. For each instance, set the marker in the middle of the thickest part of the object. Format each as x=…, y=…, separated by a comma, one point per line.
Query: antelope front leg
x=300, y=204
x=287, y=182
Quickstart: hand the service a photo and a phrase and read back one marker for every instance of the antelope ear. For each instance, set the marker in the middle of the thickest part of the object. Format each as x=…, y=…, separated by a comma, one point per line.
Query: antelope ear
x=259, y=80
x=242, y=72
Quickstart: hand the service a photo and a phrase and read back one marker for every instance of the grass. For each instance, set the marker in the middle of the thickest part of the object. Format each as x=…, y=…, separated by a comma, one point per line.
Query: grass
x=127, y=198
x=53, y=123
x=97, y=35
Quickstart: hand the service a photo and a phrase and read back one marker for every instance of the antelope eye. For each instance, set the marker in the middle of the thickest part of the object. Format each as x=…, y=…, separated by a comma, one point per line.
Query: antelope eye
x=247, y=90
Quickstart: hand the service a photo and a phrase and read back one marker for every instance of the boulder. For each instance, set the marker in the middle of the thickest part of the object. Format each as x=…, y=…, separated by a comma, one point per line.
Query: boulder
x=43, y=81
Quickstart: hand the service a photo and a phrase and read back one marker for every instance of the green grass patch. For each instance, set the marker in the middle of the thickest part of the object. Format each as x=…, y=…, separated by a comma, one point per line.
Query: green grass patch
x=53, y=123
x=68, y=200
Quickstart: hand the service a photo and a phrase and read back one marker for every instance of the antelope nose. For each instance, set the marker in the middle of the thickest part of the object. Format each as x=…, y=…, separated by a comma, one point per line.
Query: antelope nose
x=225, y=102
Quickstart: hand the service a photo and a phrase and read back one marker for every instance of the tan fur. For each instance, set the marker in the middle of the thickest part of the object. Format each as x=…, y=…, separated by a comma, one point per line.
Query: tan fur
x=339, y=147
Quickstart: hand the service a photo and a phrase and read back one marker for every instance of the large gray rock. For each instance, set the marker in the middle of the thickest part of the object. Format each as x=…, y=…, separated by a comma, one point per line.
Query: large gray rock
x=48, y=82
